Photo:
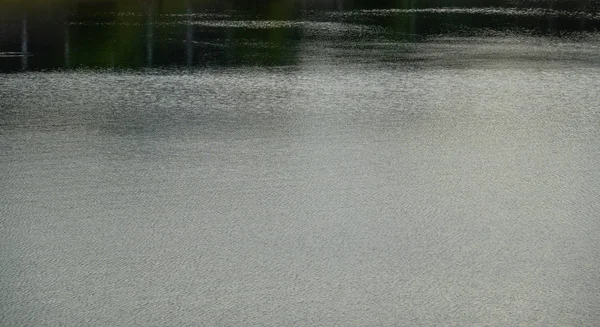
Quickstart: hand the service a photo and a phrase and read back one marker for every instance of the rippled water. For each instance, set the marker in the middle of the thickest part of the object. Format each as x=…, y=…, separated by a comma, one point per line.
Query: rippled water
x=332, y=173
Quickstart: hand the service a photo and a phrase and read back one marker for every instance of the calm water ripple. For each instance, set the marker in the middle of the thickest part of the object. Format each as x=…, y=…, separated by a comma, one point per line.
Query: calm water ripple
x=330, y=171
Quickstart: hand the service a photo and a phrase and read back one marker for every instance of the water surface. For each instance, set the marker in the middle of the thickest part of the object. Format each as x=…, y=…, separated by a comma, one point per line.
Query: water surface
x=336, y=168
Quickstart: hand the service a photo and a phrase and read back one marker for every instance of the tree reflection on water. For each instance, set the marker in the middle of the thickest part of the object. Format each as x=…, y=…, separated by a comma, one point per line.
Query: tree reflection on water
x=154, y=33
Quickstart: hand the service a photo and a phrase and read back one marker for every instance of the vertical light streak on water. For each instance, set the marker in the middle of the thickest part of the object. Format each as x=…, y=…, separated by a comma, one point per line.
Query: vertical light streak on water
x=550, y=18
x=67, y=46
x=229, y=36
x=24, y=41
x=189, y=36
x=149, y=38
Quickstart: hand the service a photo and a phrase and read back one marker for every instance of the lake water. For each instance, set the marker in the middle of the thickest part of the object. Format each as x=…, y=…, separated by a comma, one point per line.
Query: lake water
x=331, y=169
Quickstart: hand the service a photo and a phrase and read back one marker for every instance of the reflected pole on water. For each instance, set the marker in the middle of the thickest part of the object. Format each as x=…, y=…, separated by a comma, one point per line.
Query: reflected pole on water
x=582, y=9
x=550, y=18
x=67, y=46
x=24, y=44
x=189, y=37
x=149, y=38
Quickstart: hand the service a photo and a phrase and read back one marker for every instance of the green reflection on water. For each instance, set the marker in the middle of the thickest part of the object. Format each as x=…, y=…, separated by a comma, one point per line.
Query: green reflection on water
x=155, y=33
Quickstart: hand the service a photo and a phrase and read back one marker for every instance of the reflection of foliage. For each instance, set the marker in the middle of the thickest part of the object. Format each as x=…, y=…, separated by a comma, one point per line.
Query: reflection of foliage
x=128, y=36
x=109, y=41
x=268, y=5
x=138, y=33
